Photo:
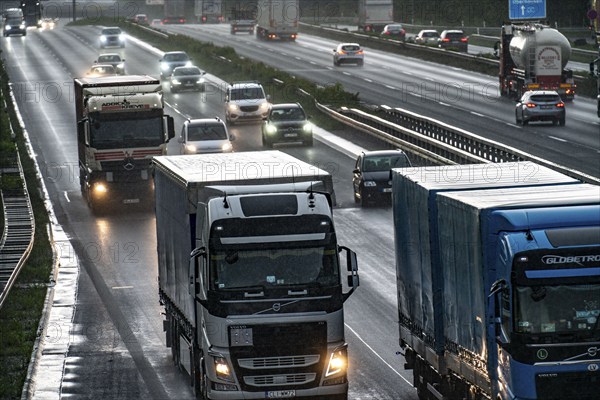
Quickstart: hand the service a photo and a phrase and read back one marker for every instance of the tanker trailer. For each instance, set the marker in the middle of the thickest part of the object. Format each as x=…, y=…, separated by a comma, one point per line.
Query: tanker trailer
x=534, y=57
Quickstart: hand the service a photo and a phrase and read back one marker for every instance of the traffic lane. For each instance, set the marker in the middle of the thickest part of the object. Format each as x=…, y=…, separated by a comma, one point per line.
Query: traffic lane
x=104, y=248
x=465, y=109
x=371, y=314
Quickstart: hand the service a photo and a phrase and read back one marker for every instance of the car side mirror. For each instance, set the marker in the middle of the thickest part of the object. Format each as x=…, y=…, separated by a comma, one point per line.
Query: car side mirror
x=231, y=137
x=180, y=139
x=95, y=61
x=123, y=60
x=160, y=60
x=356, y=171
x=269, y=97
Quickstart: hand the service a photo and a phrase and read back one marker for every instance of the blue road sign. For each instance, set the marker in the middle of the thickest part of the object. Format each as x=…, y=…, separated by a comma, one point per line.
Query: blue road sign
x=526, y=9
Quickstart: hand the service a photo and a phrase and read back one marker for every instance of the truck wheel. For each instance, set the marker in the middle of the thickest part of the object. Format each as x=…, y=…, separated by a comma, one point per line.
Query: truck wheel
x=309, y=142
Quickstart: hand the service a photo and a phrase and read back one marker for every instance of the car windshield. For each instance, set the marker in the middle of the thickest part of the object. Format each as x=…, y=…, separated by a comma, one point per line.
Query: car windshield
x=385, y=163
x=394, y=27
x=111, y=32
x=187, y=71
x=206, y=132
x=176, y=57
x=110, y=58
x=429, y=34
x=288, y=114
x=350, y=47
x=454, y=35
x=247, y=93
x=541, y=98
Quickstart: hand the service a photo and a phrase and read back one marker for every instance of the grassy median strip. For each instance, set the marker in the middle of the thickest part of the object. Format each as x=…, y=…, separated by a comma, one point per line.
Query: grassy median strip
x=21, y=313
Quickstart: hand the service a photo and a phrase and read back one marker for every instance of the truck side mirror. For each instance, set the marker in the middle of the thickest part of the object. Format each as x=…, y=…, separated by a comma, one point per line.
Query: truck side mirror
x=196, y=276
x=170, y=128
x=352, y=267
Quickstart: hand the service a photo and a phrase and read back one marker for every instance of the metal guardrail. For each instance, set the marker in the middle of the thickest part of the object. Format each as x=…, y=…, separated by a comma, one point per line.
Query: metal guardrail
x=437, y=142
x=19, y=229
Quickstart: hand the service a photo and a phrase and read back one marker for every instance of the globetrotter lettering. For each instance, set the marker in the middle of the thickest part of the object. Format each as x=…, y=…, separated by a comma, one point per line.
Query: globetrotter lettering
x=551, y=259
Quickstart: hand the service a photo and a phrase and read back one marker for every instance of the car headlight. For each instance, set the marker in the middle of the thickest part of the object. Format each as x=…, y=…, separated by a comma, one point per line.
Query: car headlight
x=22, y=26
x=369, y=184
x=227, y=147
x=307, y=127
x=264, y=106
x=338, y=362
x=190, y=148
x=233, y=107
x=8, y=27
x=103, y=38
x=164, y=66
x=122, y=37
x=121, y=66
x=188, y=64
x=271, y=129
x=175, y=81
x=200, y=80
x=222, y=369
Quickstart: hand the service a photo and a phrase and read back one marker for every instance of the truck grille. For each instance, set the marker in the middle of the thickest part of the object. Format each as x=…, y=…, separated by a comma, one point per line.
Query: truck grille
x=278, y=362
x=568, y=386
x=280, y=380
x=280, y=355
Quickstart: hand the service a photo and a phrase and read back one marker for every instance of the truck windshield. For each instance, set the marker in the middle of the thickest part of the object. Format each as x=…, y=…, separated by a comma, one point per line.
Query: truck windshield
x=126, y=130
x=561, y=308
x=299, y=266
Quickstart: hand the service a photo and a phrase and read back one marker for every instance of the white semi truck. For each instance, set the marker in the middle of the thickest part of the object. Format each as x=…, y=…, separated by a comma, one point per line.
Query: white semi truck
x=250, y=275
x=277, y=19
x=121, y=125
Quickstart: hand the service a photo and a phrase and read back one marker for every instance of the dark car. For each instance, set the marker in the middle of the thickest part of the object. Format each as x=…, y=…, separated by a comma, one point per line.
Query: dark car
x=173, y=20
x=540, y=105
x=453, y=39
x=286, y=123
x=172, y=60
x=394, y=31
x=371, y=176
x=187, y=78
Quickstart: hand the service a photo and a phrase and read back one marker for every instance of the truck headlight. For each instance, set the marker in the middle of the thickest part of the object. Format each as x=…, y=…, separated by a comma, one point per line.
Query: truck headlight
x=369, y=184
x=337, y=362
x=222, y=369
x=271, y=129
x=307, y=127
x=100, y=188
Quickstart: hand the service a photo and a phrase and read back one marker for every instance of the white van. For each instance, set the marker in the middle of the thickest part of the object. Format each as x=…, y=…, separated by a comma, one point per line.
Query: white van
x=205, y=135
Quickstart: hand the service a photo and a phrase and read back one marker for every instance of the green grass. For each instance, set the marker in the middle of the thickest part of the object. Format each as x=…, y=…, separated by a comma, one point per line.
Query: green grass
x=21, y=313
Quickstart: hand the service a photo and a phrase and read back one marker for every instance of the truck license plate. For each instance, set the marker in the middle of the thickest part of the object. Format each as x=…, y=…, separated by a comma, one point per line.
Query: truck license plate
x=387, y=190
x=290, y=135
x=281, y=394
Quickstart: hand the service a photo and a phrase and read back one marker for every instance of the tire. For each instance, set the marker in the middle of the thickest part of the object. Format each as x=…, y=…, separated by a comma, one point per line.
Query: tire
x=360, y=63
x=561, y=122
x=524, y=122
x=517, y=118
x=356, y=199
x=308, y=142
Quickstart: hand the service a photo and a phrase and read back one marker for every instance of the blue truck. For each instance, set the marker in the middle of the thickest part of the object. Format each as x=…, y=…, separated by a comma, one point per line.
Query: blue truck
x=498, y=276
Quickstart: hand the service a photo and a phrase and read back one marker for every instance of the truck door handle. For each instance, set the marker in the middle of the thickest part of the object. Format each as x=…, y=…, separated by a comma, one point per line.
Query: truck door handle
x=257, y=294
x=297, y=293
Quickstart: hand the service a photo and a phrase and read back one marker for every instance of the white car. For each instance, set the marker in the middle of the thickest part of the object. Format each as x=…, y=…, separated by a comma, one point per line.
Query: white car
x=246, y=101
x=205, y=135
x=113, y=59
x=348, y=53
x=112, y=37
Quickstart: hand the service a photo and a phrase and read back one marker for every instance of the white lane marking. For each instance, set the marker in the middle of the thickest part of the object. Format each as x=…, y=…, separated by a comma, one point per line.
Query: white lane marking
x=559, y=139
x=477, y=114
x=298, y=58
x=444, y=104
x=313, y=63
x=378, y=356
x=66, y=196
x=368, y=80
x=390, y=87
x=347, y=73
x=122, y=287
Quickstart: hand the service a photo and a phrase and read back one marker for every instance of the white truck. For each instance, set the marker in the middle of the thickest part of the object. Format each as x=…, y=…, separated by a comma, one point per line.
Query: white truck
x=121, y=125
x=249, y=273
x=208, y=11
x=277, y=19
x=373, y=15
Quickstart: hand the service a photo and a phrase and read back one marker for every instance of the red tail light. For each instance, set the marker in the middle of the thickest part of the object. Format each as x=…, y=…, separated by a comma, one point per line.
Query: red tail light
x=561, y=104
x=402, y=32
x=386, y=33
x=359, y=52
x=445, y=40
x=341, y=52
x=531, y=105
x=463, y=39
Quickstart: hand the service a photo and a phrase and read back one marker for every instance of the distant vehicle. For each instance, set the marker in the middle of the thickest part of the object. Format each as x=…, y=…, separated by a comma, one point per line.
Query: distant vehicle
x=112, y=37
x=277, y=19
x=208, y=11
x=348, y=53
x=173, y=20
x=246, y=101
x=172, y=60
x=101, y=70
x=157, y=21
x=394, y=31
x=113, y=59
x=14, y=26
x=205, y=135
x=13, y=13
x=141, y=19
x=287, y=123
x=427, y=36
x=373, y=15
x=32, y=12
x=49, y=23
x=540, y=105
x=453, y=39
x=175, y=12
x=187, y=78
x=371, y=175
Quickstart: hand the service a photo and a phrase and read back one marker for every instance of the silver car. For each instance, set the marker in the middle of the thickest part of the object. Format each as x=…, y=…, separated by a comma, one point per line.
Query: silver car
x=113, y=59
x=348, y=53
x=205, y=135
x=540, y=105
x=427, y=36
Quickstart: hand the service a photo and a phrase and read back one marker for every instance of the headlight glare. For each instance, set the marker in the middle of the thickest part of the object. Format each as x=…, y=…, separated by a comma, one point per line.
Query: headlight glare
x=227, y=147
x=271, y=129
x=307, y=127
x=338, y=362
x=222, y=369
x=190, y=148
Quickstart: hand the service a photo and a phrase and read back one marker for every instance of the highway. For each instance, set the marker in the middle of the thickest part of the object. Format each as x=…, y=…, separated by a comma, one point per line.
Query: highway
x=117, y=345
